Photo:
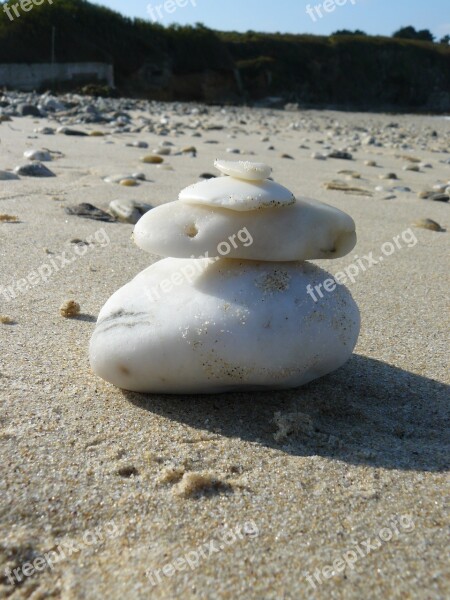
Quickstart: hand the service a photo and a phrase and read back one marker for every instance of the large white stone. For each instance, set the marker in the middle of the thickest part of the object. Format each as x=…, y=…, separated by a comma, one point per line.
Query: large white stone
x=306, y=230
x=203, y=326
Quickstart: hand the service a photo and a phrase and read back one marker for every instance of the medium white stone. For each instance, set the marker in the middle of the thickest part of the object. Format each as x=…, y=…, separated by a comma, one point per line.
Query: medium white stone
x=305, y=230
x=41, y=155
x=202, y=326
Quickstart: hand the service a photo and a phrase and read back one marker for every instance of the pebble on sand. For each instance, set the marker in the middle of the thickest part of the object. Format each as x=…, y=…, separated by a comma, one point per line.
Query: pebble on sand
x=89, y=211
x=341, y=186
x=152, y=159
x=4, y=320
x=428, y=224
x=69, y=309
x=128, y=182
x=8, y=219
x=38, y=155
x=34, y=169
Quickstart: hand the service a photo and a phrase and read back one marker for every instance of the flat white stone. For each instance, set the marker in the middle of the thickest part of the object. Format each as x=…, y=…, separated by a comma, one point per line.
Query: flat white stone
x=244, y=169
x=41, y=155
x=237, y=195
x=202, y=326
x=306, y=230
x=118, y=178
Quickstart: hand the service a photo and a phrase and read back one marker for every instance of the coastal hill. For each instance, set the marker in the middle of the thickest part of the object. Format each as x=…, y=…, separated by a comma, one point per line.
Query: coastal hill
x=346, y=71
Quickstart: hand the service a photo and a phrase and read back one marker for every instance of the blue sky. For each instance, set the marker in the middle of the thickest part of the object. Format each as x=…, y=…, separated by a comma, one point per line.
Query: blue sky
x=373, y=16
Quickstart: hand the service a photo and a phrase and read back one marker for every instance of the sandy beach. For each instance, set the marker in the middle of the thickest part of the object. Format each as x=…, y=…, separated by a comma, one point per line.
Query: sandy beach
x=333, y=490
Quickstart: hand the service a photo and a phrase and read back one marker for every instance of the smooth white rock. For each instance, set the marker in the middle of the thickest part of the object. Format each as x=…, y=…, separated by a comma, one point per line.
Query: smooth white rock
x=41, y=155
x=237, y=195
x=244, y=169
x=305, y=230
x=198, y=326
x=118, y=178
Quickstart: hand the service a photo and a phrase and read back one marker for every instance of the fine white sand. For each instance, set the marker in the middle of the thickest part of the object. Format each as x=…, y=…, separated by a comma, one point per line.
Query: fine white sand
x=317, y=470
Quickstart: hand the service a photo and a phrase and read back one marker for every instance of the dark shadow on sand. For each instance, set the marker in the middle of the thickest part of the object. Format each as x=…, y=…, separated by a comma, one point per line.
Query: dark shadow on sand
x=368, y=413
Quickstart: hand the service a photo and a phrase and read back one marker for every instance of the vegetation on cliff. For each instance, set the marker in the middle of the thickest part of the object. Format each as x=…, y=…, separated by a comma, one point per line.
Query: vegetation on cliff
x=347, y=69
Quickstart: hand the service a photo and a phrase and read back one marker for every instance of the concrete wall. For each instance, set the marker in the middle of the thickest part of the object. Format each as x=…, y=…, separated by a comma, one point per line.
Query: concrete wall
x=29, y=77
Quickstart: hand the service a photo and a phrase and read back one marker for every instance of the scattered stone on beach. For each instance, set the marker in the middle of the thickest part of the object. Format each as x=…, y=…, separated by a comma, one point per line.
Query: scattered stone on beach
x=412, y=167
x=139, y=176
x=207, y=176
x=137, y=144
x=89, y=211
x=233, y=151
x=118, y=178
x=370, y=163
x=389, y=176
x=29, y=110
x=73, y=132
x=350, y=174
x=5, y=320
x=69, y=309
x=318, y=156
x=428, y=224
x=341, y=186
x=152, y=159
x=128, y=211
x=411, y=159
x=340, y=154
x=288, y=156
x=38, y=155
x=165, y=167
x=8, y=219
x=34, y=169
x=45, y=130
x=128, y=182
x=401, y=188
x=189, y=150
x=438, y=197
x=440, y=187
x=7, y=176
x=5, y=118
x=96, y=134
x=162, y=151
